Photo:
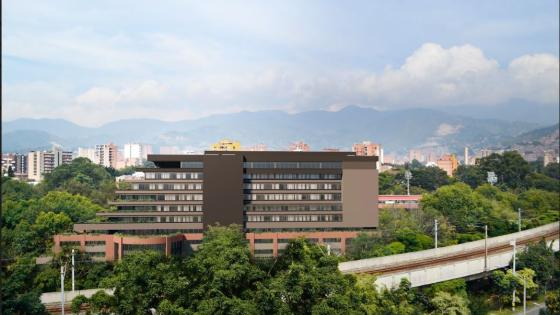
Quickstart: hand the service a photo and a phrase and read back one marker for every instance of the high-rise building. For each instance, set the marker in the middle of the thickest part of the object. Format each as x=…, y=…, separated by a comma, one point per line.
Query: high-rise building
x=448, y=163
x=88, y=153
x=299, y=146
x=226, y=145
x=466, y=157
x=106, y=155
x=21, y=165
x=136, y=151
x=416, y=154
x=327, y=197
x=44, y=162
x=367, y=148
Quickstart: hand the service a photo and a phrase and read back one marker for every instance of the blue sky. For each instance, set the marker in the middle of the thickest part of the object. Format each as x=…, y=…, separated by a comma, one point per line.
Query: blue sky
x=97, y=61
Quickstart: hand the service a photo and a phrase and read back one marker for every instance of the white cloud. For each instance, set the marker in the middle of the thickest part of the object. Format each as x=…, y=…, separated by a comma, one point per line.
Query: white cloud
x=432, y=76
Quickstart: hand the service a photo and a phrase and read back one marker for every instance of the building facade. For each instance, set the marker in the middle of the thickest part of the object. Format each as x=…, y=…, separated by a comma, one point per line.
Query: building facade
x=448, y=163
x=299, y=146
x=327, y=197
x=44, y=162
x=106, y=155
x=226, y=145
x=88, y=153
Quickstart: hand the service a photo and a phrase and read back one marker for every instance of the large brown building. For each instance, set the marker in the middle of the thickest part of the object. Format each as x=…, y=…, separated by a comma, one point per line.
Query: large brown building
x=327, y=197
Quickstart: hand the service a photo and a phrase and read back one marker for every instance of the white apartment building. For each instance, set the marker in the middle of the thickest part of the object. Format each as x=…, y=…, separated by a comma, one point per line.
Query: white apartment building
x=106, y=155
x=44, y=162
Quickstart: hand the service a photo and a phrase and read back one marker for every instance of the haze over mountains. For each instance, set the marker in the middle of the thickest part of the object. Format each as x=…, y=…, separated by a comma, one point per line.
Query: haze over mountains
x=397, y=130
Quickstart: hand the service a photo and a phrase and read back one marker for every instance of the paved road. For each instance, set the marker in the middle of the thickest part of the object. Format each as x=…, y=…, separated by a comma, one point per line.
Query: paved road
x=533, y=308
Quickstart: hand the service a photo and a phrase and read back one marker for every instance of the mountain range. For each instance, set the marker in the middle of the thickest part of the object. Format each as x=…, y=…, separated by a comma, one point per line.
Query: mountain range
x=396, y=130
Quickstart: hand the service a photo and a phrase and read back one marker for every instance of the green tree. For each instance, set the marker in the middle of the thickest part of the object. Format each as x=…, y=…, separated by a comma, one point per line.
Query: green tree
x=471, y=175
x=510, y=167
x=102, y=303
x=445, y=303
x=17, y=296
x=16, y=190
x=429, y=178
x=221, y=271
x=552, y=302
x=540, y=258
x=552, y=170
x=81, y=177
x=77, y=303
x=49, y=223
x=540, y=181
x=143, y=279
x=78, y=208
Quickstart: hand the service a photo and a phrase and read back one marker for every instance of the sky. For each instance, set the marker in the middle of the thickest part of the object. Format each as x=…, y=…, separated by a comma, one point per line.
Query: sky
x=93, y=62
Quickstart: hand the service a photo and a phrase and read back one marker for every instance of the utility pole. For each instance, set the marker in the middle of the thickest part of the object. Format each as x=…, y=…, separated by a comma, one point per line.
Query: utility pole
x=328, y=249
x=408, y=176
x=524, y=295
x=73, y=287
x=519, y=219
x=435, y=232
x=62, y=273
x=514, y=244
x=485, y=248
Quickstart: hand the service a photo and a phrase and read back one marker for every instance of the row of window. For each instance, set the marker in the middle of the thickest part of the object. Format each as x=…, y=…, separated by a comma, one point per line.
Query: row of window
x=160, y=186
x=173, y=175
x=295, y=218
x=292, y=186
x=192, y=164
x=165, y=208
x=305, y=165
x=162, y=219
x=163, y=197
x=287, y=240
x=269, y=197
x=327, y=207
x=285, y=176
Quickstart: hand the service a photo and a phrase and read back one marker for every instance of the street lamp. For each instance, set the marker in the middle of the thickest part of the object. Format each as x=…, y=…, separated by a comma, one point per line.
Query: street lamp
x=435, y=232
x=485, y=244
x=514, y=244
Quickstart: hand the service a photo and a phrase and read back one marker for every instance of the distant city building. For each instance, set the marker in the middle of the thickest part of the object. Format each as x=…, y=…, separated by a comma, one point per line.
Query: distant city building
x=258, y=147
x=550, y=157
x=367, y=148
x=448, y=163
x=390, y=159
x=88, y=153
x=21, y=165
x=169, y=150
x=330, y=150
x=299, y=146
x=226, y=145
x=416, y=154
x=106, y=155
x=8, y=162
x=44, y=162
x=466, y=157
x=136, y=151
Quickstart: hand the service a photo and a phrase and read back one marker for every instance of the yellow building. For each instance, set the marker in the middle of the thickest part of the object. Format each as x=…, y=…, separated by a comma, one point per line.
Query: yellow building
x=226, y=145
